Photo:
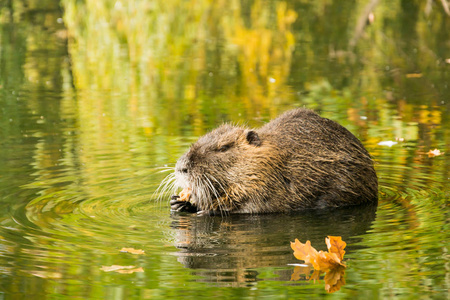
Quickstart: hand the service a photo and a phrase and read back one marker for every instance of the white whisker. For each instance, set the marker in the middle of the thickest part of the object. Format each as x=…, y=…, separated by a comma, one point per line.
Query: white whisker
x=216, y=194
x=164, y=187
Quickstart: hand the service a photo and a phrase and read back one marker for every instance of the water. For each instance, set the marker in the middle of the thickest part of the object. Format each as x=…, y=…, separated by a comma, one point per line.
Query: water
x=96, y=99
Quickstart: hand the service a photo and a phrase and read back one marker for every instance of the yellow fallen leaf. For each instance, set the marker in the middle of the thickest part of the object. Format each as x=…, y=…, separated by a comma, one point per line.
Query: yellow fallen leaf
x=116, y=268
x=434, y=152
x=46, y=274
x=335, y=244
x=132, y=251
x=130, y=271
x=414, y=75
x=303, y=251
x=322, y=261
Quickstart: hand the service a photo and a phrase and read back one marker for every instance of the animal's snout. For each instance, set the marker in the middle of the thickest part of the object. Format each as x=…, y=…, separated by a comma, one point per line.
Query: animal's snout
x=182, y=172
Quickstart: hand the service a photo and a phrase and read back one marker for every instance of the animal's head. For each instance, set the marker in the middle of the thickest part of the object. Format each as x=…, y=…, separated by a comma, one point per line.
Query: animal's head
x=216, y=162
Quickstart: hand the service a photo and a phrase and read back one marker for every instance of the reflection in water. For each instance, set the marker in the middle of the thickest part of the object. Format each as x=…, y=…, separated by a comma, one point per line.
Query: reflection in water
x=229, y=250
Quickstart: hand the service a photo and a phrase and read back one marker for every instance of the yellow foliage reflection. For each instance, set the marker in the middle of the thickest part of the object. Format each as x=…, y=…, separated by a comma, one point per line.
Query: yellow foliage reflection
x=164, y=49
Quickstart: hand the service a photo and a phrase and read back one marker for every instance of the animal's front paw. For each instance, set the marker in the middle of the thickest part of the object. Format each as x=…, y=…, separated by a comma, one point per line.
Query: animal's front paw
x=182, y=206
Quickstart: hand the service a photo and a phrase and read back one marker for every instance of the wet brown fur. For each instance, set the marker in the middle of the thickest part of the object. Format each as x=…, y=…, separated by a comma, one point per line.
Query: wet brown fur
x=297, y=161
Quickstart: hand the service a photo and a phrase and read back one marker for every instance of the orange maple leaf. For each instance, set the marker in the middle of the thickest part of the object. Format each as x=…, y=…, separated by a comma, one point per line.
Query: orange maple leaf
x=303, y=251
x=132, y=251
x=322, y=261
x=335, y=244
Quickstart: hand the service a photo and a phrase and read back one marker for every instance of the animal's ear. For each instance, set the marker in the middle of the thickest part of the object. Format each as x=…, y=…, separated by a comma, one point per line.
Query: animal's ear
x=253, y=138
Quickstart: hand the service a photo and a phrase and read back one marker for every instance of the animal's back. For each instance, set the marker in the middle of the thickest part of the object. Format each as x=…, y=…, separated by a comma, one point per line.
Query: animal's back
x=325, y=163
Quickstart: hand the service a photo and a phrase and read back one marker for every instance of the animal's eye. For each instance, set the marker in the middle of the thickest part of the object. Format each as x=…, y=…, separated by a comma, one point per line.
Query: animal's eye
x=225, y=147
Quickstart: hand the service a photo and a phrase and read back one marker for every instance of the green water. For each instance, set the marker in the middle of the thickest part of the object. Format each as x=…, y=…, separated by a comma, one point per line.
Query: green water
x=98, y=97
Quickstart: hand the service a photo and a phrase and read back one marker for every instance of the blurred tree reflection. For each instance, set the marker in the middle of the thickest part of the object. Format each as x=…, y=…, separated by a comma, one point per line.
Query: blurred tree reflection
x=212, y=60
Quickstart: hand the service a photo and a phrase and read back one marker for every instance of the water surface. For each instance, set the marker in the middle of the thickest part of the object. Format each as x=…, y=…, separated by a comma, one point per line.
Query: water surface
x=98, y=99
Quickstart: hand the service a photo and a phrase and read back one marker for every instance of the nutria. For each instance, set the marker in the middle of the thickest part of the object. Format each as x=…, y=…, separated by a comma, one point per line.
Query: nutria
x=297, y=161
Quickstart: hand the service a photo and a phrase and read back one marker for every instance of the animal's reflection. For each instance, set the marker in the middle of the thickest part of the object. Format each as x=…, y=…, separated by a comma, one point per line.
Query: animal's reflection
x=229, y=250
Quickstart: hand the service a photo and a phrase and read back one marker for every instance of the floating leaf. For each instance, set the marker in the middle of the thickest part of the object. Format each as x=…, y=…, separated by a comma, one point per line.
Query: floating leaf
x=120, y=269
x=414, y=75
x=335, y=244
x=132, y=251
x=387, y=143
x=130, y=271
x=46, y=274
x=322, y=261
x=434, y=152
x=303, y=251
